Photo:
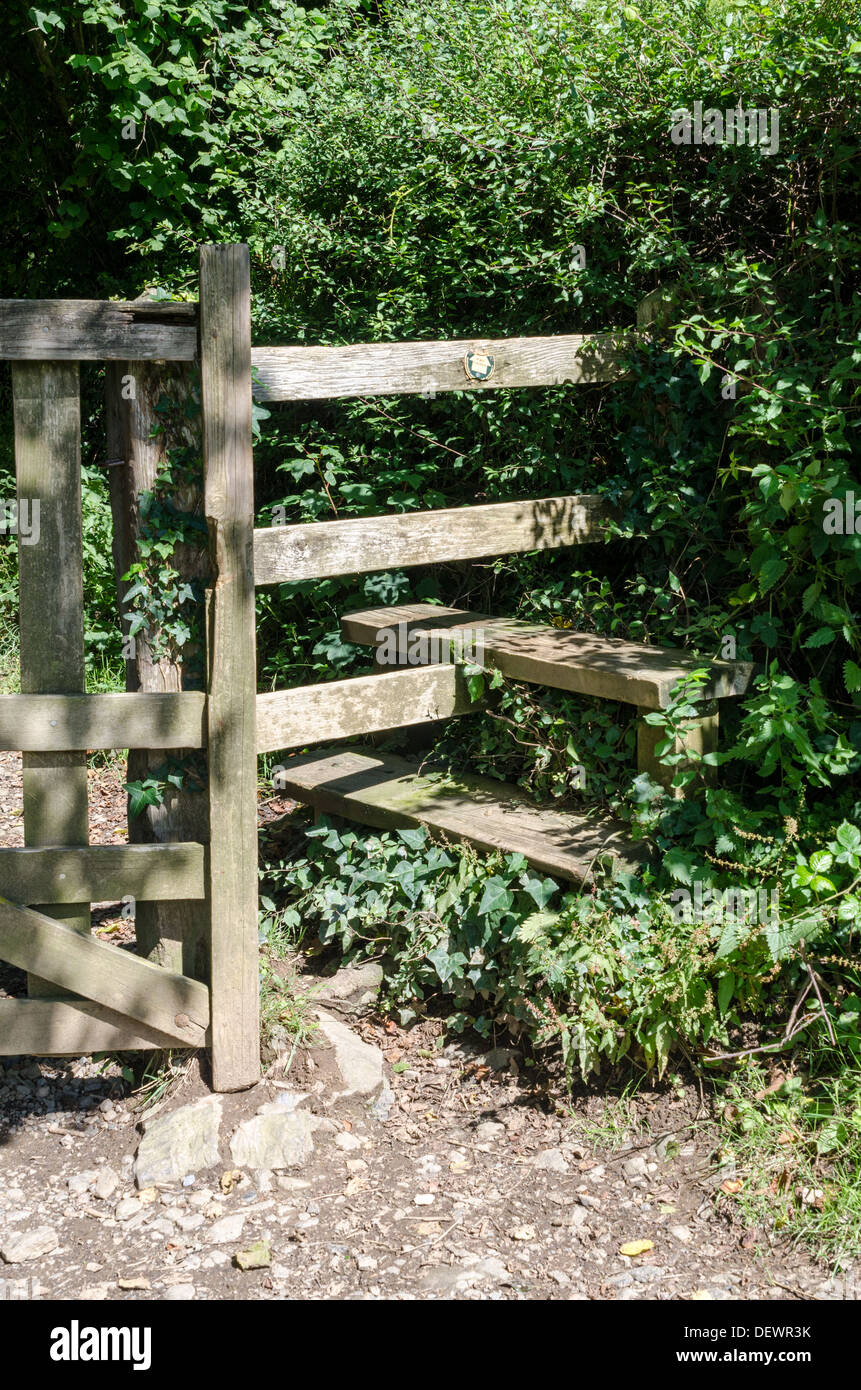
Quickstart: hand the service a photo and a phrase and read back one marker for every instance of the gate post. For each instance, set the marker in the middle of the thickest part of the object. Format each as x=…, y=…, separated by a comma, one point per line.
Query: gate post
x=225, y=361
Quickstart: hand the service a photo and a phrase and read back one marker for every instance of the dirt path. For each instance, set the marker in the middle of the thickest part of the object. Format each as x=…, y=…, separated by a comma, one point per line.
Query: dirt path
x=460, y=1178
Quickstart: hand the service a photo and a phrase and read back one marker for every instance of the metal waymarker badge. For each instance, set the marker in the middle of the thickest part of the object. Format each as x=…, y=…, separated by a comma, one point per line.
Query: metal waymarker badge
x=478, y=365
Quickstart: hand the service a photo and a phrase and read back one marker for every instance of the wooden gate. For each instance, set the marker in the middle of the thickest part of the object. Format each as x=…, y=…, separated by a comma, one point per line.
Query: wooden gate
x=85, y=995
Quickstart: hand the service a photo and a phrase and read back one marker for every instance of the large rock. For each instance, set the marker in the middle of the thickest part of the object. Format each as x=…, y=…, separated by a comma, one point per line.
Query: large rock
x=275, y=1138
x=185, y=1141
x=22, y=1246
x=360, y=1064
x=351, y=989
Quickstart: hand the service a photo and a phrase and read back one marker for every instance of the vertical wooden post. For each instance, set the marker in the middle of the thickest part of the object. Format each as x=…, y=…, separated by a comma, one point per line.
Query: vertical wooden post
x=698, y=736
x=173, y=934
x=225, y=361
x=47, y=411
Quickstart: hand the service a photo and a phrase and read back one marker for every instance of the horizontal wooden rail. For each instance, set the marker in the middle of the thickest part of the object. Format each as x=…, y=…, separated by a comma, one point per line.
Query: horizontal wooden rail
x=103, y=873
x=467, y=364
x=172, y=1004
x=97, y=330
x=71, y=1028
x=320, y=549
x=361, y=705
x=67, y=723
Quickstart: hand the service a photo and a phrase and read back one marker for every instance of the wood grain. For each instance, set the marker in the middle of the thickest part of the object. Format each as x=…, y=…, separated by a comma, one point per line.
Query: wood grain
x=57, y=722
x=225, y=339
x=47, y=416
x=563, y=660
x=102, y=873
x=318, y=550
x=71, y=1028
x=361, y=705
x=80, y=330
x=386, y=791
x=172, y=1004
x=389, y=369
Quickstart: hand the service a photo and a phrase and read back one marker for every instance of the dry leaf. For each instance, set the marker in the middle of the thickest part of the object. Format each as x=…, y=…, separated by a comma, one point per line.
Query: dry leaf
x=636, y=1247
x=230, y=1179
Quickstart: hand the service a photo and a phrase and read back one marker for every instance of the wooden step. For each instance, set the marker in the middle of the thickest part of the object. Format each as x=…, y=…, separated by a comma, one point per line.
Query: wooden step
x=564, y=660
x=385, y=791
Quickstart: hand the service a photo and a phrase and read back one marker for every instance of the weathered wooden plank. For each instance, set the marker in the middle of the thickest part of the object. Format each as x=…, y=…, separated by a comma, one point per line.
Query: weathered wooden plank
x=225, y=347
x=361, y=705
x=172, y=1004
x=47, y=415
x=561, y=659
x=386, y=791
x=80, y=330
x=101, y=873
x=389, y=369
x=318, y=550
x=71, y=1028
x=58, y=722
x=143, y=434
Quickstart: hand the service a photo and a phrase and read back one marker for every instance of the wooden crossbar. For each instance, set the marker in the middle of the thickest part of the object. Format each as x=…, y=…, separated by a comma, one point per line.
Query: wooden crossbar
x=466, y=364
x=361, y=705
x=97, y=330
x=320, y=549
x=48, y=723
x=71, y=1028
x=102, y=873
x=173, y=1004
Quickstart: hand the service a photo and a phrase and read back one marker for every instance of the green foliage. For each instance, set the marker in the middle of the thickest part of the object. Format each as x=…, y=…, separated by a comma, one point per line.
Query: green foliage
x=604, y=973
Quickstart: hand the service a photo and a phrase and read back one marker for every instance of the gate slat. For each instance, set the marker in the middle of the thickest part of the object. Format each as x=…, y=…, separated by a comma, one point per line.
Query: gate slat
x=101, y=873
x=172, y=1004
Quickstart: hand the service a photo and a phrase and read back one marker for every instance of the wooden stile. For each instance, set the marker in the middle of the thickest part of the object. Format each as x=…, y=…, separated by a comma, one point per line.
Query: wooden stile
x=360, y=705
x=225, y=353
x=424, y=368
x=318, y=550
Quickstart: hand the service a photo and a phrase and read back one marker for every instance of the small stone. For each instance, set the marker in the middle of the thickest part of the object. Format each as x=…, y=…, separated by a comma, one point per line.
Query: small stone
x=137, y=1283
x=382, y=1106
x=227, y=1230
x=366, y=1263
x=636, y=1167
x=127, y=1208
x=489, y=1131
x=105, y=1184
x=179, y=1293
x=523, y=1233
x=80, y=1183
x=684, y=1234
x=347, y=1141
x=551, y=1160
x=192, y=1222
x=257, y=1256
x=22, y=1246
x=424, y=1199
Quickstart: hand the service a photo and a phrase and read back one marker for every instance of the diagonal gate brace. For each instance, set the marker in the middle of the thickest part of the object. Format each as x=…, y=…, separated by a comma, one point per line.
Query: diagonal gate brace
x=172, y=1004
